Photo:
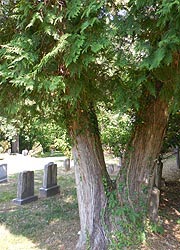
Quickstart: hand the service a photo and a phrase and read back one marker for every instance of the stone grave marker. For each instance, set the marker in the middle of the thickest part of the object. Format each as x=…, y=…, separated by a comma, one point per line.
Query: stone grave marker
x=25, y=190
x=25, y=152
x=154, y=205
x=66, y=164
x=3, y=173
x=50, y=186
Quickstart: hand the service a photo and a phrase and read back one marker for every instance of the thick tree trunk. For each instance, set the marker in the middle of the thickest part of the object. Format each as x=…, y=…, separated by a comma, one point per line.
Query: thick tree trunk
x=91, y=176
x=141, y=158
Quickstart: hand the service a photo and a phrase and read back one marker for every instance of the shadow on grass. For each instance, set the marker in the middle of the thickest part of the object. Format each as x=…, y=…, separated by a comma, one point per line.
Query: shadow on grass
x=50, y=223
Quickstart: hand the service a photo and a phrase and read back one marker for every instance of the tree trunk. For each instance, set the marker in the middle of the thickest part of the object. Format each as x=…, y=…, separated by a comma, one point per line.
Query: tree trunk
x=138, y=172
x=91, y=176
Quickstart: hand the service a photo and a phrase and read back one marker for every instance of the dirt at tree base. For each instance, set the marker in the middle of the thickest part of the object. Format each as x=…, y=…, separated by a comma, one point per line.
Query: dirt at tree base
x=169, y=211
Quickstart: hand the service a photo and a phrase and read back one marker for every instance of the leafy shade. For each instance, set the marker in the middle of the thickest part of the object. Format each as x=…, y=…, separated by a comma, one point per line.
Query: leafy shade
x=56, y=55
x=149, y=36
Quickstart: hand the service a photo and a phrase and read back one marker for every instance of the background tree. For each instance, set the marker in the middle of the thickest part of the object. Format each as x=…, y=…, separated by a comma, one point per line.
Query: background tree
x=46, y=132
x=115, y=129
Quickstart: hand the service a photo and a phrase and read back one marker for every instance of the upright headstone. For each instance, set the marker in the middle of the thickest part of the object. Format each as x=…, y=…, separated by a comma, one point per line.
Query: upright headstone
x=66, y=164
x=25, y=152
x=158, y=173
x=50, y=186
x=110, y=168
x=154, y=205
x=25, y=191
x=15, y=144
x=3, y=173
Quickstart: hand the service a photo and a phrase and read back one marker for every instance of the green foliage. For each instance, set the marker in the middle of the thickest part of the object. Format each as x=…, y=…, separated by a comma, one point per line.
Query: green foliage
x=115, y=130
x=7, y=129
x=47, y=133
x=156, y=228
x=149, y=36
x=51, y=59
x=172, y=137
x=63, y=144
x=54, y=45
x=128, y=224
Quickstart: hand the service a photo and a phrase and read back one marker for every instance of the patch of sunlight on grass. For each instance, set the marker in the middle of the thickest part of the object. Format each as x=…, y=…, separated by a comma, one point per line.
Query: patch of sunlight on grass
x=9, y=241
x=69, y=199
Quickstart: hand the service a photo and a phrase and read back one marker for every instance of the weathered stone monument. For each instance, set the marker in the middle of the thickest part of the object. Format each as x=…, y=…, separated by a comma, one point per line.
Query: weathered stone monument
x=25, y=152
x=3, y=173
x=15, y=144
x=110, y=168
x=50, y=186
x=25, y=191
x=66, y=164
x=154, y=204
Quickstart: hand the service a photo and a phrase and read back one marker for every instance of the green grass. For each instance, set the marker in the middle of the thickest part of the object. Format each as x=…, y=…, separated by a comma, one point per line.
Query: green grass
x=8, y=189
x=6, y=196
x=32, y=217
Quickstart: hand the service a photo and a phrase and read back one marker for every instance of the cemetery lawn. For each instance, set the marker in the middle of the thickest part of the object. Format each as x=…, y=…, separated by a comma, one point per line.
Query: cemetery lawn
x=49, y=223
x=53, y=223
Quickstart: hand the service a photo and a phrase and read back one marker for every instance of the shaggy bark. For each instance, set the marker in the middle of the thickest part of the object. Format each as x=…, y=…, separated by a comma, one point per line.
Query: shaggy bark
x=91, y=175
x=138, y=172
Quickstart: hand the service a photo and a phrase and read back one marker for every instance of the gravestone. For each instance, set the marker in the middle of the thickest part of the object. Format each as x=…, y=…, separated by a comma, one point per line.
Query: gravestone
x=154, y=205
x=25, y=152
x=66, y=164
x=15, y=144
x=3, y=173
x=110, y=168
x=50, y=186
x=25, y=191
